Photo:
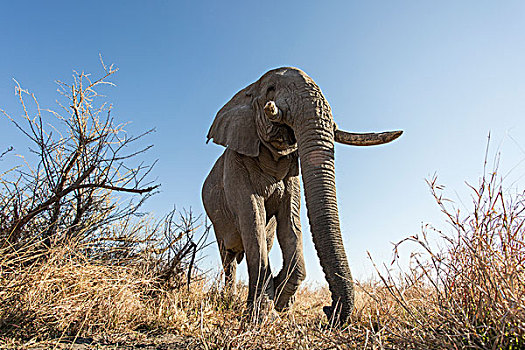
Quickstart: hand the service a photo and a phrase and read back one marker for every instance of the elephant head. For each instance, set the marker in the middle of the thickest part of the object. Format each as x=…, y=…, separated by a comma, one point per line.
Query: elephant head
x=286, y=112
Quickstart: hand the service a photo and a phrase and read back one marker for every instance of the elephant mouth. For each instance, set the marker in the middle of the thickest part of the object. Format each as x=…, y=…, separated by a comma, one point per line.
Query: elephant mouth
x=285, y=137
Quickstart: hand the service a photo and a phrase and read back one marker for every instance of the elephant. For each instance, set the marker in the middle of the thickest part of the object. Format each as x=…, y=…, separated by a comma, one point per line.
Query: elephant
x=275, y=129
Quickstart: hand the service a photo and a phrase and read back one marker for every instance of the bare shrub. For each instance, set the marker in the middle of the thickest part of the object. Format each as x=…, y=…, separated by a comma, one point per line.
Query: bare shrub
x=470, y=293
x=79, y=158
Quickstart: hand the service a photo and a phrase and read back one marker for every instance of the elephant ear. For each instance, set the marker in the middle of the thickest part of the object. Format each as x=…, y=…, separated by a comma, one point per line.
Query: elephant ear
x=234, y=125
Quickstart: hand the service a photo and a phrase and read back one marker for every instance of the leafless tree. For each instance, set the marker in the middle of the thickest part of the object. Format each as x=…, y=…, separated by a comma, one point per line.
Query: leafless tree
x=82, y=159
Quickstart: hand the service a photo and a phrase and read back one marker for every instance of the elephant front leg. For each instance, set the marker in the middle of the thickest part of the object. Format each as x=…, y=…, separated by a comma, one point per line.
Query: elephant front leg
x=248, y=209
x=253, y=231
x=289, y=236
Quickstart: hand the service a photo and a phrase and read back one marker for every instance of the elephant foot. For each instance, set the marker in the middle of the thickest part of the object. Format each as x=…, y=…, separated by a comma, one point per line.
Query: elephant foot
x=284, y=305
x=271, y=317
x=262, y=310
x=336, y=316
x=285, y=291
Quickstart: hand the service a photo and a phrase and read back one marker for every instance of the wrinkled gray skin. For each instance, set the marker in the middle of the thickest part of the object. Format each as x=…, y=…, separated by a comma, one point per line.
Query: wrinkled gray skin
x=253, y=189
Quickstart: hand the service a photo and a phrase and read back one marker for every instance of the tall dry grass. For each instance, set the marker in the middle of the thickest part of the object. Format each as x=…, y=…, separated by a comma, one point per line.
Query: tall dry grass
x=82, y=289
x=470, y=293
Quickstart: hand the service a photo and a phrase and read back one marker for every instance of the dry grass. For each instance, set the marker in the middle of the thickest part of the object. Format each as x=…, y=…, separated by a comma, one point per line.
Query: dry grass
x=470, y=293
x=69, y=296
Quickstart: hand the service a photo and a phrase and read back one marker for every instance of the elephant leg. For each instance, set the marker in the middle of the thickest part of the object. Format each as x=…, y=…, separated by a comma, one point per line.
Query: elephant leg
x=271, y=226
x=228, y=238
x=229, y=264
x=289, y=236
x=249, y=212
x=253, y=233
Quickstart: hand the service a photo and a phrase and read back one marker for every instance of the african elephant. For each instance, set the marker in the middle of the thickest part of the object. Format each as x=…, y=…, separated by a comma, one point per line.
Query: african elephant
x=253, y=189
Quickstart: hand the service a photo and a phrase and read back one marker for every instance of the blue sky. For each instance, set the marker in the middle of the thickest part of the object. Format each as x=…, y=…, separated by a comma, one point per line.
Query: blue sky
x=447, y=73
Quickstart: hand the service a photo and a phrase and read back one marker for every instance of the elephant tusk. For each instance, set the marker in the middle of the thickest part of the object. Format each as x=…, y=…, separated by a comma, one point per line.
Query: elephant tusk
x=366, y=139
x=272, y=111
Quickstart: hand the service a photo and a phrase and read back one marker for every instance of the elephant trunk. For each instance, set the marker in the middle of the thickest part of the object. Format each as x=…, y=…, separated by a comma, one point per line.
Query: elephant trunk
x=315, y=137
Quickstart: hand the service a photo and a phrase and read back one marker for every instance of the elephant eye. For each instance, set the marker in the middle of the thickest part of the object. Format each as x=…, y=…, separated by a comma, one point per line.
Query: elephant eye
x=270, y=92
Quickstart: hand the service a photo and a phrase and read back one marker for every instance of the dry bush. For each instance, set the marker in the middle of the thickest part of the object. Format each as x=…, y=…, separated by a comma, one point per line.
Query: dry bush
x=76, y=256
x=79, y=158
